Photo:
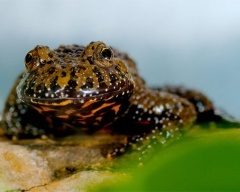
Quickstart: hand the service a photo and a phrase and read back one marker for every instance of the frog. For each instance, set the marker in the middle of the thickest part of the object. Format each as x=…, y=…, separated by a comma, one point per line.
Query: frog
x=97, y=87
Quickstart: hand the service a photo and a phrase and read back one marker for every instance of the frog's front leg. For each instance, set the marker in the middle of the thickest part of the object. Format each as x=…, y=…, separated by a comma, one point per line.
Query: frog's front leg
x=153, y=119
x=21, y=121
x=17, y=117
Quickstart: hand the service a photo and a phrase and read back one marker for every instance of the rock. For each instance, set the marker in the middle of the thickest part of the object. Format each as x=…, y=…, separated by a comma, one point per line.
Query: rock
x=82, y=181
x=67, y=164
x=21, y=168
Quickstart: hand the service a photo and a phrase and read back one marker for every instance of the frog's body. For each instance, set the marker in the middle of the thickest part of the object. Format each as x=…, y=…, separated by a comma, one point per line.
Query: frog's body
x=94, y=87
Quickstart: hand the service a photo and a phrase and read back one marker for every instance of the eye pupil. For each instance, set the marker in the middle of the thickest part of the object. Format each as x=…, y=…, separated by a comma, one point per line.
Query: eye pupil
x=28, y=58
x=107, y=54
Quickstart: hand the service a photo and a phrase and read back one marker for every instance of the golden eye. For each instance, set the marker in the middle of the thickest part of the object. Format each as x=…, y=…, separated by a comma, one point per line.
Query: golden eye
x=28, y=58
x=106, y=54
x=102, y=55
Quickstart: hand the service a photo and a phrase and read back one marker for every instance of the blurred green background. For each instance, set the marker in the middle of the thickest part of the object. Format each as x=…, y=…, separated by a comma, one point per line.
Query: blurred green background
x=195, y=43
x=201, y=161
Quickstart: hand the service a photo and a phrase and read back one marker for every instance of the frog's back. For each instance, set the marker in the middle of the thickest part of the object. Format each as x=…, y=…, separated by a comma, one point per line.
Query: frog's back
x=152, y=109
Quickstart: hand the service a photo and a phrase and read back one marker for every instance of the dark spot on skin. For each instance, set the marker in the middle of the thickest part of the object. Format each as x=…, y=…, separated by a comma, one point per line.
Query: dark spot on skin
x=107, y=116
x=113, y=78
x=50, y=55
x=76, y=69
x=102, y=85
x=83, y=60
x=90, y=60
x=100, y=78
x=84, y=87
x=40, y=87
x=72, y=83
x=61, y=55
x=89, y=83
x=78, y=51
x=50, y=62
x=95, y=70
x=98, y=74
x=73, y=74
x=51, y=70
x=54, y=86
x=117, y=68
x=93, y=47
x=78, y=46
x=67, y=50
x=63, y=74
x=30, y=91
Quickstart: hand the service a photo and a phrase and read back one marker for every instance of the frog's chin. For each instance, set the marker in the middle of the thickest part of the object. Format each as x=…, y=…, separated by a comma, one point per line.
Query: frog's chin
x=77, y=98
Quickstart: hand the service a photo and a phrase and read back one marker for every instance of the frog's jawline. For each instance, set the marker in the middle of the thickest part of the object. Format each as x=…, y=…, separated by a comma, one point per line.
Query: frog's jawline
x=67, y=100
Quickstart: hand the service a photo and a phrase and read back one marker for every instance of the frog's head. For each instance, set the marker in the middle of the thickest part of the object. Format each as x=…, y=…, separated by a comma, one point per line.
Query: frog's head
x=85, y=85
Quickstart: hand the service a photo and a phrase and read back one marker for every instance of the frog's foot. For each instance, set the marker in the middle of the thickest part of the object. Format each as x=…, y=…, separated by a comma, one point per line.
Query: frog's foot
x=144, y=144
x=116, y=149
x=221, y=118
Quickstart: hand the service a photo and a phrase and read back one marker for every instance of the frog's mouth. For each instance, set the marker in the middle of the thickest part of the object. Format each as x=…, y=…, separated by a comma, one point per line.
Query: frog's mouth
x=62, y=99
x=85, y=109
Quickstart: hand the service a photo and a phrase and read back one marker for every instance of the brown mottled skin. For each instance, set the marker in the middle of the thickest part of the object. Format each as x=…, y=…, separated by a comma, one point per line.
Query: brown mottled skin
x=93, y=87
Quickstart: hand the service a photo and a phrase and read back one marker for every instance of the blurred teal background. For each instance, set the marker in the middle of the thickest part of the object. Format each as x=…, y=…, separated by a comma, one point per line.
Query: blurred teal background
x=194, y=43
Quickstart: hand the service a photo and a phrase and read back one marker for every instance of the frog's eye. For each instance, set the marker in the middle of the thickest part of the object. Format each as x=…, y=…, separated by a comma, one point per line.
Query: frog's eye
x=107, y=54
x=30, y=62
x=28, y=58
x=102, y=55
